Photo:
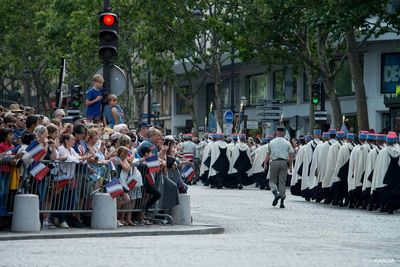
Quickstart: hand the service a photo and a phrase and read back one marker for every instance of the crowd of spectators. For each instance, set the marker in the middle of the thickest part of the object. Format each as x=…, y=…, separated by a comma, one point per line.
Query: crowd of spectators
x=83, y=150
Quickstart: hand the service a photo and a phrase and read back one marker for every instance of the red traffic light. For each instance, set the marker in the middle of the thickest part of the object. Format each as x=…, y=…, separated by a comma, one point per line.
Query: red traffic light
x=108, y=20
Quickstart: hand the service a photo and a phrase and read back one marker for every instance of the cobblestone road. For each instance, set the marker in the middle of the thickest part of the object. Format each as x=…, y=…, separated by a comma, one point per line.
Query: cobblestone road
x=257, y=234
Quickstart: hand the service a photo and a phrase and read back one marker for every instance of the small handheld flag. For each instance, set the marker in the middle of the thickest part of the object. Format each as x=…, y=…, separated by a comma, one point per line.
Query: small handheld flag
x=114, y=188
x=188, y=172
x=150, y=179
x=61, y=181
x=39, y=171
x=35, y=151
x=134, y=179
x=188, y=156
x=153, y=164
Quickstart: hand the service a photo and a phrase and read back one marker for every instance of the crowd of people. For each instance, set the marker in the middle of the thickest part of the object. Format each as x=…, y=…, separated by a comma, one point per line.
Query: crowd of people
x=348, y=170
x=72, y=161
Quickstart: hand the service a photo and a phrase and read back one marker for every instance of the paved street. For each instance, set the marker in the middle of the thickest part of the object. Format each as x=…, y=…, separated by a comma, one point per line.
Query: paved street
x=303, y=234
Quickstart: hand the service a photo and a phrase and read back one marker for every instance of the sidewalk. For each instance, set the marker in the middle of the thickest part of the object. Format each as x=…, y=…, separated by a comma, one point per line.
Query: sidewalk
x=151, y=230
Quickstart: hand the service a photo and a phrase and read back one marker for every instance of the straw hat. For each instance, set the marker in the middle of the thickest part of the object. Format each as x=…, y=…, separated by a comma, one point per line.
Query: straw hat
x=14, y=108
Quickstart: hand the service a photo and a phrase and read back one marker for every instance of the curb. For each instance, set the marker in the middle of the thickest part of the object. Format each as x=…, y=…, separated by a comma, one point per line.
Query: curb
x=92, y=233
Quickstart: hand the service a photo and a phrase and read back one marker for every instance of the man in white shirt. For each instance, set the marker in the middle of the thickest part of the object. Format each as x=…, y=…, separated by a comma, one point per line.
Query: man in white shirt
x=279, y=156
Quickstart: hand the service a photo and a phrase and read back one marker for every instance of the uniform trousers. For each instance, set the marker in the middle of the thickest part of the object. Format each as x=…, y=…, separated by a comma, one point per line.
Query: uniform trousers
x=278, y=174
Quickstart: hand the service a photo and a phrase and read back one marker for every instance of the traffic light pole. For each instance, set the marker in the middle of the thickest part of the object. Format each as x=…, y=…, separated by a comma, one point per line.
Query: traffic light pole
x=322, y=88
x=106, y=5
x=322, y=92
x=106, y=76
x=149, y=112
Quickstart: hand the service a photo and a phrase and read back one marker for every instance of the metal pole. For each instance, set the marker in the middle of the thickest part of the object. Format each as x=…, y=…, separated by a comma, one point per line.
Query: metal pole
x=106, y=5
x=148, y=96
x=232, y=79
x=322, y=88
x=60, y=83
x=107, y=77
x=322, y=92
x=27, y=88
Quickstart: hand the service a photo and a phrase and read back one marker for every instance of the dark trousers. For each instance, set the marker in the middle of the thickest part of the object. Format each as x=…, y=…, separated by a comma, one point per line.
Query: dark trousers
x=197, y=163
x=154, y=193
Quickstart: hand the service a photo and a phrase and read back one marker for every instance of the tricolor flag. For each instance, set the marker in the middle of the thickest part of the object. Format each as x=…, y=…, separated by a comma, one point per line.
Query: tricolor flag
x=35, y=151
x=62, y=180
x=39, y=171
x=150, y=178
x=188, y=156
x=153, y=164
x=114, y=188
x=188, y=172
x=134, y=179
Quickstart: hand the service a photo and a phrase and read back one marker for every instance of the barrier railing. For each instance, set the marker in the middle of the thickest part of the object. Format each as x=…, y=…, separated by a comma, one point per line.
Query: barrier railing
x=68, y=187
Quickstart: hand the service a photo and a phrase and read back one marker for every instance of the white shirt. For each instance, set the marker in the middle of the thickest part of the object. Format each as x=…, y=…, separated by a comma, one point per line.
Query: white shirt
x=279, y=148
x=68, y=166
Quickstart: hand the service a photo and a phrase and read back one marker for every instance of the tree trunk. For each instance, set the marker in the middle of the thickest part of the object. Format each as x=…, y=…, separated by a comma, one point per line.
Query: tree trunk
x=309, y=83
x=357, y=79
x=193, y=114
x=335, y=103
x=327, y=73
x=218, y=104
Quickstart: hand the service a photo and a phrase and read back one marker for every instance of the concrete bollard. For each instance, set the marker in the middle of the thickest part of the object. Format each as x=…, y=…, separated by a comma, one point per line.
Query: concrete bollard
x=26, y=213
x=104, y=213
x=182, y=212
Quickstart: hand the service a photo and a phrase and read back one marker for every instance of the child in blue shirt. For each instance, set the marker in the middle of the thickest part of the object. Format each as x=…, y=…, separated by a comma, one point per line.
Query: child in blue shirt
x=93, y=99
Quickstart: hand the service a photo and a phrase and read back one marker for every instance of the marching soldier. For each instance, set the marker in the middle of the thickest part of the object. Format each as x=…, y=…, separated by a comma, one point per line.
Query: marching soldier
x=332, y=158
x=295, y=183
x=240, y=162
x=219, y=165
x=280, y=156
x=307, y=176
x=340, y=175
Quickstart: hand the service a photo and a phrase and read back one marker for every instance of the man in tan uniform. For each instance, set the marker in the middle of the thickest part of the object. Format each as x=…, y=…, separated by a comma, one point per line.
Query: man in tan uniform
x=279, y=157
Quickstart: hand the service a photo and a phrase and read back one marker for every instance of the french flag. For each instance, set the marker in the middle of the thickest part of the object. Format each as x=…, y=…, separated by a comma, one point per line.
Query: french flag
x=150, y=178
x=153, y=164
x=133, y=180
x=35, y=151
x=188, y=156
x=114, y=188
x=188, y=172
x=39, y=171
x=62, y=181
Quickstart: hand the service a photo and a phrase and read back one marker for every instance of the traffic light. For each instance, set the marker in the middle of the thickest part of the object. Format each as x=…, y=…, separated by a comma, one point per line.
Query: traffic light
x=108, y=36
x=76, y=96
x=315, y=93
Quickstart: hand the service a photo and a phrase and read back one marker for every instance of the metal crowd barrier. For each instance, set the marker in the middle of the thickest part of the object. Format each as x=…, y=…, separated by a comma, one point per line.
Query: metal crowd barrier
x=69, y=188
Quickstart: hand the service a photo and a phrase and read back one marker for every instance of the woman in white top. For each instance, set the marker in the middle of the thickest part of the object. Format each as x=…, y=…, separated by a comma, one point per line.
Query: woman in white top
x=67, y=168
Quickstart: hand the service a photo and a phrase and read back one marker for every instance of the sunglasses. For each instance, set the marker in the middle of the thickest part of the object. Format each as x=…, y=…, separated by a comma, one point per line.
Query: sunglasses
x=10, y=125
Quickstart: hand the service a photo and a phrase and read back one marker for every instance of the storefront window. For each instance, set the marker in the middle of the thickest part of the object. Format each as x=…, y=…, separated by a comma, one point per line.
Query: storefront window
x=390, y=72
x=256, y=88
x=279, y=84
x=343, y=82
x=224, y=94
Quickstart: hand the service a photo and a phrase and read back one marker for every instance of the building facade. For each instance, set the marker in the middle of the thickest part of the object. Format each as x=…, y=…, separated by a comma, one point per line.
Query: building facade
x=381, y=72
